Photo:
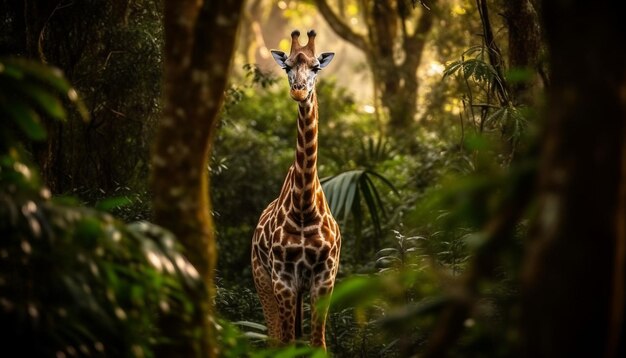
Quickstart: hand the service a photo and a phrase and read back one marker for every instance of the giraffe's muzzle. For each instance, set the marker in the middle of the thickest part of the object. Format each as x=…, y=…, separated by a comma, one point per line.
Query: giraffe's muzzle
x=299, y=92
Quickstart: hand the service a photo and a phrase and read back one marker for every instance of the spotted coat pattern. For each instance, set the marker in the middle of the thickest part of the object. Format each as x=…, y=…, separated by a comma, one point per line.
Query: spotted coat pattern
x=295, y=247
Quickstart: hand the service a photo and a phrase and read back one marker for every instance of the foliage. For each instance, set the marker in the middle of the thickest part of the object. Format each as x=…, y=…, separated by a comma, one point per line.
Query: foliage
x=419, y=275
x=73, y=279
x=404, y=256
x=29, y=90
x=484, y=111
x=384, y=313
x=121, y=201
x=476, y=67
x=344, y=191
x=238, y=303
x=77, y=280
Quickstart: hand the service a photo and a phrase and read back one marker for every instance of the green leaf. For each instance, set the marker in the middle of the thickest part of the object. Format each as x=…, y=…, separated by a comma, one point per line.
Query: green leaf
x=90, y=230
x=6, y=70
x=253, y=325
x=350, y=200
x=413, y=241
x=255, y=335
x=387, y=261
x=408, y=313
x=344, y=191
x=43, y=84
x=319, y=354
x=469, y=67
x=339, y=191
x=26, y=119
x=110, y=204
x=499, y=115
x=379, y=202
x=519, y=75
x=387, y=252
x=344, y=181
x=46, y=102
x=371, y=206
x=292, y=352
x=40, y=72
x=452, y=68
x=384, y=180
x=352, y=292
x=477, y=49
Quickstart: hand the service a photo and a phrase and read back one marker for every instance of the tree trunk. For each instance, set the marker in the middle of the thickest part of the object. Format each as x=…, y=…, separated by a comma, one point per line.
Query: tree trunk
x=573, y=281
x=198, y=54
x=524, y=48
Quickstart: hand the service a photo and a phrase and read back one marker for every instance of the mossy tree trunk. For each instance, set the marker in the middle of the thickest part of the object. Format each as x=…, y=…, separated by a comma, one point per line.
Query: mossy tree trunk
x=574, y=274
x=199, y=44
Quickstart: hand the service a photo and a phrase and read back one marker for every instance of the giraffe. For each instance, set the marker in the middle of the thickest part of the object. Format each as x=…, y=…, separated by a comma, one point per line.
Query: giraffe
x=296, y=244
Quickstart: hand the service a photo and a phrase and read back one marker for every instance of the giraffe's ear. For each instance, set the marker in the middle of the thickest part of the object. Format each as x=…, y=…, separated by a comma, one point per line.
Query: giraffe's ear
x=279, y=57
x=325, y=58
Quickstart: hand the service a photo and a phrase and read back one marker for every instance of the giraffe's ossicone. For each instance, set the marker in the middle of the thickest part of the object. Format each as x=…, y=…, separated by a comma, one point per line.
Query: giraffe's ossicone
x=295, y=247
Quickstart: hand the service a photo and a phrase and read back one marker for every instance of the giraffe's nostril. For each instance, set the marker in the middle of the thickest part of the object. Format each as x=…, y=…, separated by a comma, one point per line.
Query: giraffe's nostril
x=297, y=87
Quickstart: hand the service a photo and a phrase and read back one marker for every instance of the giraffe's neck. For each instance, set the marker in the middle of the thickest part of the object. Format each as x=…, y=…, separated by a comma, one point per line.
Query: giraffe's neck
x=305, y=182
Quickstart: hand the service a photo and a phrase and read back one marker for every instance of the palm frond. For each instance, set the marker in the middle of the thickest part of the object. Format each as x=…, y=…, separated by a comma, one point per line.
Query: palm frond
x=345, y=190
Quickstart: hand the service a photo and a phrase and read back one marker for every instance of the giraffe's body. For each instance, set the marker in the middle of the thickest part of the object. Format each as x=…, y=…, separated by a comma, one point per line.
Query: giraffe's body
x=295, y=247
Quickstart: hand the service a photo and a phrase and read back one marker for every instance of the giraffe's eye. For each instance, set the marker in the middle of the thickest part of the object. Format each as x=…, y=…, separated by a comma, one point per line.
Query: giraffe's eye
x=316, y=68
x=287, y=68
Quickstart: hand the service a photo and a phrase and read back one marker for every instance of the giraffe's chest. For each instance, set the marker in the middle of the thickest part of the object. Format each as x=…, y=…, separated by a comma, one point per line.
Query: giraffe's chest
x=294, y=250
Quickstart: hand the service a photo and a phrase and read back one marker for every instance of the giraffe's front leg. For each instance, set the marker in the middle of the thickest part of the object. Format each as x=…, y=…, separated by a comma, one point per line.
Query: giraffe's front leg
x=286, y=297
x=264, y=288
x=319, y=311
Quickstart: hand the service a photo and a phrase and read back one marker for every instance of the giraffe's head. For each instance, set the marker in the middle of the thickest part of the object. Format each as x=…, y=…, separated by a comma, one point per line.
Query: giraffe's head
x=302, y=65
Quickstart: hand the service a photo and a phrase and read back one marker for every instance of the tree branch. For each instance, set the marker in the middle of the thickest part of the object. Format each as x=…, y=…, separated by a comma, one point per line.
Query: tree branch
x=414, y=45
x=340, y=28
x=422, y=26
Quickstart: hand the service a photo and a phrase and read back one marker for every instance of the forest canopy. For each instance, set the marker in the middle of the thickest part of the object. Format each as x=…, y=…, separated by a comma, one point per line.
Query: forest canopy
x=472, y=154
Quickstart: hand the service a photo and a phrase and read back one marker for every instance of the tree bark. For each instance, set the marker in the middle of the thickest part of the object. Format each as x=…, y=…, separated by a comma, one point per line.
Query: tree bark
x=199, y=45
x=573, y=281
x=524, y=48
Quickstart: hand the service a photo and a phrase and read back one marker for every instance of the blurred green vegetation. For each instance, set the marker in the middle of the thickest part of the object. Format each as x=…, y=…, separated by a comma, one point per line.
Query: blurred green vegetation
x=74, y=280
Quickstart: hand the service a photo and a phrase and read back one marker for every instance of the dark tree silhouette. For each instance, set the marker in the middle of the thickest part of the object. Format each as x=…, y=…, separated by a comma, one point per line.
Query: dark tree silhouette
x=573, y=297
